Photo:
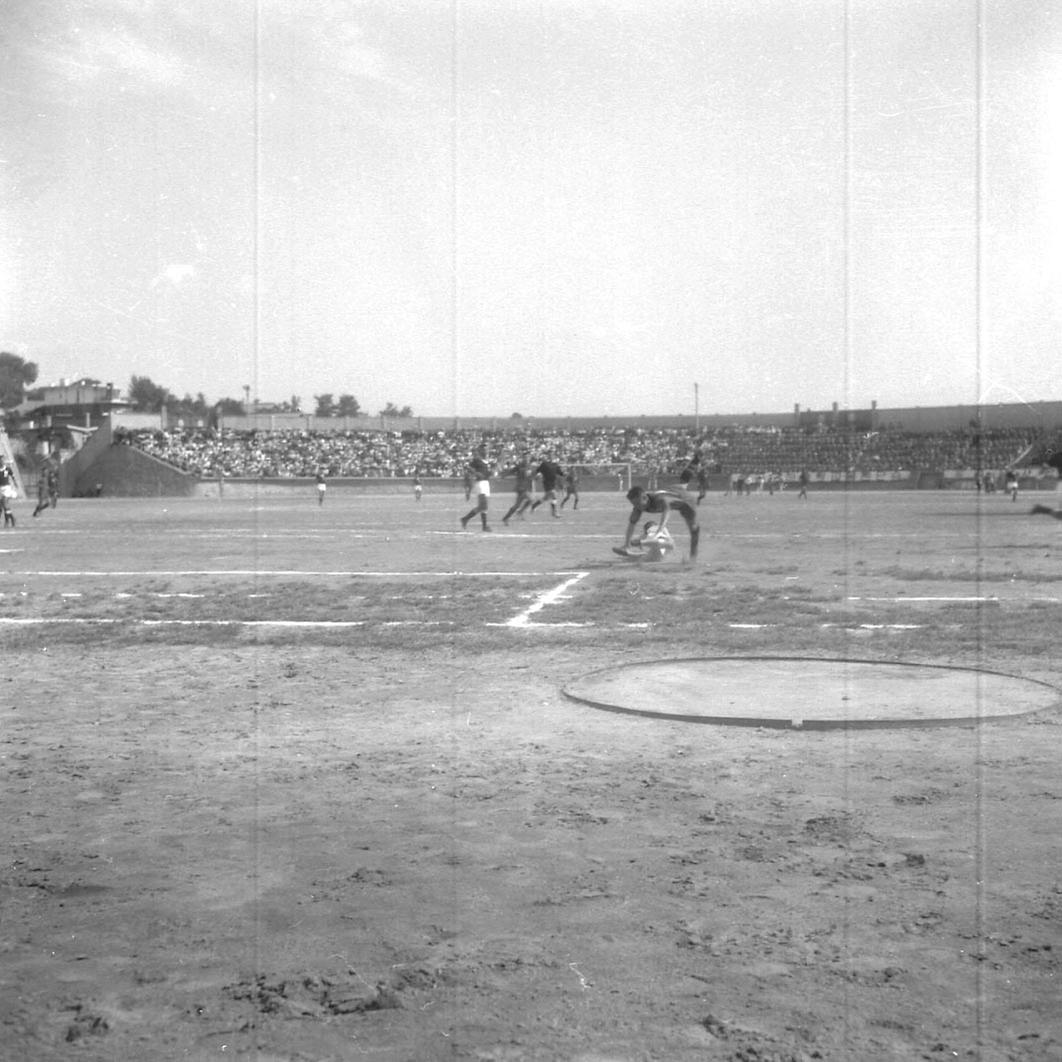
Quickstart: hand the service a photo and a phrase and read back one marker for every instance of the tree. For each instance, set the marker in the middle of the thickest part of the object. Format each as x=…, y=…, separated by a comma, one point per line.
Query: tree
x=391, y=410
x=229, y=407
x=187, y=408
x=16, y=374
x=326, y=406
x=146, y=395
x=348, y=406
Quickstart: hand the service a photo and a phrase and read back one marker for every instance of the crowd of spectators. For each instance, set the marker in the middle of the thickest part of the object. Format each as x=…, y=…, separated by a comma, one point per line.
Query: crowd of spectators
x=781, y=452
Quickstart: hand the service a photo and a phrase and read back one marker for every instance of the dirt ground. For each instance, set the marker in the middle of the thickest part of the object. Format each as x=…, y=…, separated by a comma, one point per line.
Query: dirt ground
x=303, y=846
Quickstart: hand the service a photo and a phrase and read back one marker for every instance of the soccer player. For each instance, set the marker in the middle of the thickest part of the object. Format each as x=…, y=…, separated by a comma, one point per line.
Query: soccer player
x=702, y=483
x=655, y=541
x=8, y=493
x=479, y=473
x=525, y=480
x=551, y=474
x=571, y=487
x=418, y=488
x=689, y=471
x=47, y=489
x=659, y=503
x=1047, y=511
x=322, y=486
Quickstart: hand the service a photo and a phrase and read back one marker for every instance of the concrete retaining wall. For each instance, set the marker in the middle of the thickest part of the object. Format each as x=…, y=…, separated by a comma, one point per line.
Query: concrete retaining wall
x=125, y=472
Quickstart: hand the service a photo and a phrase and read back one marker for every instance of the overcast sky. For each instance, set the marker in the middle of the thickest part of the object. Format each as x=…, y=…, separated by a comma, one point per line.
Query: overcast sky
x=480, y=207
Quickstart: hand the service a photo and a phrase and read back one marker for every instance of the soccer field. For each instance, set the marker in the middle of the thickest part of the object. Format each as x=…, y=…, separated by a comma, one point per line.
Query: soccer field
x=289, y=781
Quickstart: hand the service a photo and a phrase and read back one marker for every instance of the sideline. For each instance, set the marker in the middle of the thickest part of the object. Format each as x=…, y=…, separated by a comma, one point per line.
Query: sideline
x=298, y=571
x=100, y=622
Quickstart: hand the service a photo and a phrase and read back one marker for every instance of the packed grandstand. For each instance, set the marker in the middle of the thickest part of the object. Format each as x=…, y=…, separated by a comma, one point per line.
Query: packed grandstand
x=781, y=452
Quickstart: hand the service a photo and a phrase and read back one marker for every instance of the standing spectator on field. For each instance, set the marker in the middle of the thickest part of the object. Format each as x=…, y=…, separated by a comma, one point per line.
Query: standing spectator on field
x=802, y=479
x=322, y=486
x=478, y=473
x=418, y=488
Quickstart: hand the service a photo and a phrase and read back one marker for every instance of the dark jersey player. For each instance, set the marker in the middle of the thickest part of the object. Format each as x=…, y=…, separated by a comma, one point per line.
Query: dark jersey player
x=571, y=487
x=695, y=472
x=659, y=503
x=1046, y=510
x=525, y=480
x=47, y=489
x=551, y=474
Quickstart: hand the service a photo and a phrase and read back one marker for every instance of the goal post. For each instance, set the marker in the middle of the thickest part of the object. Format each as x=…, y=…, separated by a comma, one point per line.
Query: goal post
x=603, y=476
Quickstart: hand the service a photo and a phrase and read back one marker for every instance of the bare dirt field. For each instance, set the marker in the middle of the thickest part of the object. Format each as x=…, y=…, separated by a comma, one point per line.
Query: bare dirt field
x=289, y=782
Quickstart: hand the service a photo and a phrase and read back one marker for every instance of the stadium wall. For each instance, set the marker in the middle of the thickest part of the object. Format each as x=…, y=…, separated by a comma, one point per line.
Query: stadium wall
x=252, y=488
x=77, y=464
x=114, y=470
x=503, y=493
x=1043, y=415
x=123, y=471
x=135, y=421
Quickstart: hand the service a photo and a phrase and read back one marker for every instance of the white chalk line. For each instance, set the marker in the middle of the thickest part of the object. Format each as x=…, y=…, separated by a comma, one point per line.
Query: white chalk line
x=312, y=624
x=905, y=597
x=288, y=572
x=972, y=599
x=522, y=619
x=547, y=597
x=508, y=532
x=75, y=621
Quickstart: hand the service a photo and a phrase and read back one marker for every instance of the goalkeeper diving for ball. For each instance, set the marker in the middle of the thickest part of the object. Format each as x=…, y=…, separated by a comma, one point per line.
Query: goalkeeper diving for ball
x=654, y=543
x=659, y=503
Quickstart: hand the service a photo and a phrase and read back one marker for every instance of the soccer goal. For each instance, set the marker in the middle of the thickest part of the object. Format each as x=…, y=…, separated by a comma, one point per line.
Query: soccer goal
x=603, y=477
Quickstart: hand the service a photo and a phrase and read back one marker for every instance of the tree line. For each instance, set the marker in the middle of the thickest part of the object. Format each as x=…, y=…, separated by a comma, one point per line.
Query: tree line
x=17, y=377
x=149, y=397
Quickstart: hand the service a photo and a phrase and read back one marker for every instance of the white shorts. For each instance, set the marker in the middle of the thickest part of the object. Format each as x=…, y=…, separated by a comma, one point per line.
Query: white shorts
x=483, y=487
x=9, y=491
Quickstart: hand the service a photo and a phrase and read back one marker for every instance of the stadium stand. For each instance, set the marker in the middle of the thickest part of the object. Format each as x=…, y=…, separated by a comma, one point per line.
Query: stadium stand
x=780, y=451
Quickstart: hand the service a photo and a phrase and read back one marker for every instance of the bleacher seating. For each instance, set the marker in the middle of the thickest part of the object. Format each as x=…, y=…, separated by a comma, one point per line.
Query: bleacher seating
x=782, y=451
